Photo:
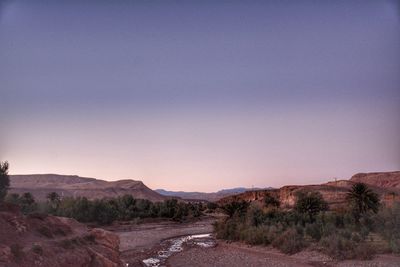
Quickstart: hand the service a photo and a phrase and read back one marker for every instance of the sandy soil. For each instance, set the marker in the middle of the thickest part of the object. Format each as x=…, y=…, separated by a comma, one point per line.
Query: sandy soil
x=235, y=254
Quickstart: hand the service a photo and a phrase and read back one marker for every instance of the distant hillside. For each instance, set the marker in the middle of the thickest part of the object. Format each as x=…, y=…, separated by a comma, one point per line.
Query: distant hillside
x=71, y=185
x=215, y=196
x=386, y=184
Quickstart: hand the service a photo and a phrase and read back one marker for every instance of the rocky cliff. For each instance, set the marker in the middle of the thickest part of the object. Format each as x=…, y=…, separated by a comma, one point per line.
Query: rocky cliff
x=386, y=184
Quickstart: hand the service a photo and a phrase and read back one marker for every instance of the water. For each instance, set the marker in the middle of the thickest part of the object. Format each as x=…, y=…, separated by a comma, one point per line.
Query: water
x=175, y=245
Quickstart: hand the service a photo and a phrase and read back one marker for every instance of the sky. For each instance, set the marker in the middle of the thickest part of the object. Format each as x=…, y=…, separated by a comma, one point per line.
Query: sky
x=200, y=95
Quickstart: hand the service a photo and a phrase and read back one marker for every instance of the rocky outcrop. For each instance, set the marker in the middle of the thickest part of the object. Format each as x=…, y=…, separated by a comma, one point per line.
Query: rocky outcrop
x=40, y=185
x=40, y=240
x=389, y=180
x=385, y=184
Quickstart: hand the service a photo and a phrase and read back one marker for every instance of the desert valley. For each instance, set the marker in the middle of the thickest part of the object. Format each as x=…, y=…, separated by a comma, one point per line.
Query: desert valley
x=199, y=133
x=32, y=236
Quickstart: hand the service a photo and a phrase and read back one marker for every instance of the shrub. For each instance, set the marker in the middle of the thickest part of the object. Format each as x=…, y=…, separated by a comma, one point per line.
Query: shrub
x=238, y=208
x=314, y=230
x=387, y=223
x=289, y=242
x=17, y=251
x=255, y=236
x=212, y=206
x=341, y=248
x=45, y=231
x=363, y=251
x=37, y=249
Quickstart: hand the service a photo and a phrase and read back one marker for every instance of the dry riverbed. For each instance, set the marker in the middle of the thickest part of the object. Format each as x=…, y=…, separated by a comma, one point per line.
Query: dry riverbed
x=187, y=244
x=143, y=241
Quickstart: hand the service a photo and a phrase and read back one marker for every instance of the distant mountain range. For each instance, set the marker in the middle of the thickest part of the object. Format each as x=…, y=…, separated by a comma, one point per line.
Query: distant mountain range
x=40, y=185
x=207, y=196
x=71, y=185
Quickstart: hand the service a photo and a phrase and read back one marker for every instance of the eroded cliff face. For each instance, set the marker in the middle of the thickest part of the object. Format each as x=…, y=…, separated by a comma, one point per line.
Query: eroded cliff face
x=388, y=180
x=386, y=185
x=40, y=240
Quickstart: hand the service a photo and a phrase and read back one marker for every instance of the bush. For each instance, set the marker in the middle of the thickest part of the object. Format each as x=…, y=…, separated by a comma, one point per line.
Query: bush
x=37, y=249
x=338, y=247
x=45, y=231
x=255, y=236
x=289, y=242
x=387, y=223
x=237, y=208
x=364, y=252
x=17, y=251
x=314, y=230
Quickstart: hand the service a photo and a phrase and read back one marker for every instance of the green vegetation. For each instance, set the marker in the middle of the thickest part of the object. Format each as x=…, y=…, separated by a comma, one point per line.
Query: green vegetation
x=344, y=234
x=4, y=180
x=26, y=202
x=310, y=203
x=105, y=211
x=362, y=199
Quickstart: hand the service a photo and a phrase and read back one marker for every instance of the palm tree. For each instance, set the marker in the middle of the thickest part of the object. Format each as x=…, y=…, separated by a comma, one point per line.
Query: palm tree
x=362, y=199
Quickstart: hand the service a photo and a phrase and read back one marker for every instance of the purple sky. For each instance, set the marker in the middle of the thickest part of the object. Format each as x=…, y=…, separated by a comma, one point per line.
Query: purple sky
x=200, y=95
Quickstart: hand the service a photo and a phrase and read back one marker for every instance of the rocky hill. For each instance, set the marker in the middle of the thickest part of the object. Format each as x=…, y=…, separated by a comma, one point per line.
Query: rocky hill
x=71, y=185
x=40, y=240
x=389, y=180
x=386, y=184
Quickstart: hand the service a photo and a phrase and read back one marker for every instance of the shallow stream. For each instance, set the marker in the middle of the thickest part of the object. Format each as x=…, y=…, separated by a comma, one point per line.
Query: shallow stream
x=175, y=245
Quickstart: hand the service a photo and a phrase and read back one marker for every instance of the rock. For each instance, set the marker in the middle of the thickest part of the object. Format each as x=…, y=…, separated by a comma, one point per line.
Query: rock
x=105, y=238
x=5, y=254
x=65, y=242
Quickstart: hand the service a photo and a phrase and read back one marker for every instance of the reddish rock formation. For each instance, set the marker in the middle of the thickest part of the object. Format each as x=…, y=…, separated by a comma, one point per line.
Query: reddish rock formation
x=40, y=240
x=389, y=180
x=386, y=184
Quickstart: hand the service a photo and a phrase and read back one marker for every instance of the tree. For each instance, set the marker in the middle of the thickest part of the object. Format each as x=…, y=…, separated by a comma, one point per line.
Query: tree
x=362, y=199
x=310, y=203
x=4, y=180
x=54, y=200
x=27, y=203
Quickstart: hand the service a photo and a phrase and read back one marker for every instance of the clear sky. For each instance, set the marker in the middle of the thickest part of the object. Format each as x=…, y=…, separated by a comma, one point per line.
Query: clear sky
x=200, y=95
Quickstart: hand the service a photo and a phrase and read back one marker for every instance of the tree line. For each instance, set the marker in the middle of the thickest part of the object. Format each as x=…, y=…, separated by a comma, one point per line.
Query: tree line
x=101, y=211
